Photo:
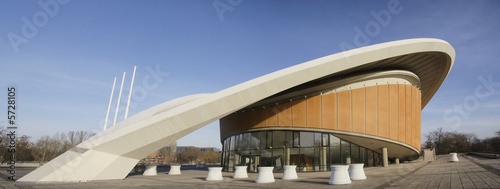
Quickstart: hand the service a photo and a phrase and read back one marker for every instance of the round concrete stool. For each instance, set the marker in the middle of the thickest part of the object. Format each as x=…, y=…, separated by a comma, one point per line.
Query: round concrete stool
x=240, y=172
x=175, y=170
x=265, y=175
x=339, y=175
x=453, y=157
x=214, y=173
x=150, y=170
x=356, y=171
x=289, y=172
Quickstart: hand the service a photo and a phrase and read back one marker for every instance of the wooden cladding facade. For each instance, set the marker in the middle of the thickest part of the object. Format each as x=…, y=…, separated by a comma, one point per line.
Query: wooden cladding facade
x=390, y=111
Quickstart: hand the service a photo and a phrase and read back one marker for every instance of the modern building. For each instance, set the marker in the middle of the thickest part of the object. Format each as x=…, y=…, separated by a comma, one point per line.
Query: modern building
x=361, y=105
x=340, y=119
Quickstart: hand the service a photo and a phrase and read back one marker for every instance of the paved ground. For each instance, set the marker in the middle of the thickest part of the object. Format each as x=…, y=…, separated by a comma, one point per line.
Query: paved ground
x=469, y=172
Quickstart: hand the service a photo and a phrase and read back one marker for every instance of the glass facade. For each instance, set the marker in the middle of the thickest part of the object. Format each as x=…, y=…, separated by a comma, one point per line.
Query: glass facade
x=310, y=151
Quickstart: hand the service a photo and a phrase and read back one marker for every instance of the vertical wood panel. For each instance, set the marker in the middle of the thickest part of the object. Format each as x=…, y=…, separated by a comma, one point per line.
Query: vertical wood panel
x=329, y=114
x=371, y=110
x=271, y=116
x=393, y=112
x=344, y=110
x=414, y=116
x=358, y=110
x=299, y=113
x=260, y=118
x=409, y=109
x=245, y=120
x=419, y=118
x=285, y=115
x=402, y=109
x=383, y=114
x=314, y=112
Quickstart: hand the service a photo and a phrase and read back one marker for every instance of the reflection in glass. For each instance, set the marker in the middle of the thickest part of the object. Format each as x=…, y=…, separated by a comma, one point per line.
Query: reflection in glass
x=306, y=139
x=345, y=147
x=310, y=151
x=354, y=153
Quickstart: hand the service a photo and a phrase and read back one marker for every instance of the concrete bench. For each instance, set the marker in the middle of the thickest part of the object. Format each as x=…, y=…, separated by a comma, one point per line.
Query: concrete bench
x=150, y=170
x=453, y=157
x=265, y=175
x=356, y=171
x=289, y=172
x=175, y=170
x=214, y=174
x=240, y=172
x=339, y=175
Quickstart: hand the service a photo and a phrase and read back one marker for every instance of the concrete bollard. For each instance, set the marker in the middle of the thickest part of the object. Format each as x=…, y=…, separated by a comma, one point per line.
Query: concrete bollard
x=289, y=172
x=339, y=175
x=175, y=170
x=214, y=174
x=453, y=157
x=240, y=172
x=265, y=175
x=150, y=170
x=356, y=171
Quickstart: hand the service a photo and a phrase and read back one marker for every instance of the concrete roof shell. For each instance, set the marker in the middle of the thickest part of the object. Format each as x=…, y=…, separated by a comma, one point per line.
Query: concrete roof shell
x=111, y=154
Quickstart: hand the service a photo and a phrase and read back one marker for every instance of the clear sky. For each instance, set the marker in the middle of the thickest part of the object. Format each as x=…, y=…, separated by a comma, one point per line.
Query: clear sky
x=63, y=55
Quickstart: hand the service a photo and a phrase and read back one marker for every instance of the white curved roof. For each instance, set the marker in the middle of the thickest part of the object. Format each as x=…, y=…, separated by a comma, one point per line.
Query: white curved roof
x=114, y=152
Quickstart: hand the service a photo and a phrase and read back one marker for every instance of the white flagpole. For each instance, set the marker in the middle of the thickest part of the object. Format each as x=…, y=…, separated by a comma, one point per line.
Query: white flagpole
x=130, y=93
x=109, y=105
x=119, y=97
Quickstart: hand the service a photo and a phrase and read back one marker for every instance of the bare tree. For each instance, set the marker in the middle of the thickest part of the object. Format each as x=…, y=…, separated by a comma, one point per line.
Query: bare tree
x=210, y=156
x=168, y=153
x=47, y=148
x=189, y=155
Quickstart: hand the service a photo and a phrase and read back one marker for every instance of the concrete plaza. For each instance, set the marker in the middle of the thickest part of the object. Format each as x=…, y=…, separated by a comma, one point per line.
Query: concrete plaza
x=469, y=172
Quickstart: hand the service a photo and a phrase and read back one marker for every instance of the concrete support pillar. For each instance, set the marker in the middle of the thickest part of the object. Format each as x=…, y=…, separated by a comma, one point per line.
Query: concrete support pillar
x=397, y=161
x=385, y=158
x=287, y=156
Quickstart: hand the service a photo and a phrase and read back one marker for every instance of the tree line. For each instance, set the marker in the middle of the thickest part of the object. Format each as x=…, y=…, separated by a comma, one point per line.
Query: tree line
x=445, y=142
x=44, y=149
x=49, y=147
x=191, y=155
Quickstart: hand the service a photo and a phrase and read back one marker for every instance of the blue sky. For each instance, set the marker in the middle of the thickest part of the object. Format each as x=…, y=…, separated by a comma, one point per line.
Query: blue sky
x=64, y=67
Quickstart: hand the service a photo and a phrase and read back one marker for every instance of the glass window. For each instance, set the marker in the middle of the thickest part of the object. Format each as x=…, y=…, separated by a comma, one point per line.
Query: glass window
x=263, y=139
x=266, y=157
x=278, y=159
x=369, y=158
x=269, y=139
x=294, y=156
x=362, y=155
x=245, y=141
x=306, y=139
x=354, y=153
x=321, y=158
x=231, y=143
x=237, y=142
x=255, y=140
x=346, y=152
x=289, y=139
x=324, y=140
x=278, y=139
x=335, y=150
x=317, y=139
x=296, y=141
x=306, y=159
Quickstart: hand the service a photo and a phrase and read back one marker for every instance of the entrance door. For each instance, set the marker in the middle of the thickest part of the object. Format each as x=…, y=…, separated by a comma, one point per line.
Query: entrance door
x=252, y=162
